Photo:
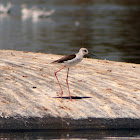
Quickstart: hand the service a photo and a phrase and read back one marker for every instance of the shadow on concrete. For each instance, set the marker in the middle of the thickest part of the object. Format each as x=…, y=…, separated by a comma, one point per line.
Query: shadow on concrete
x=73, y=97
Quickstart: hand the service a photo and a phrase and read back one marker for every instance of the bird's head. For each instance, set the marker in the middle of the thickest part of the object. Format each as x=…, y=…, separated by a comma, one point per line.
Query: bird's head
x=83, y=51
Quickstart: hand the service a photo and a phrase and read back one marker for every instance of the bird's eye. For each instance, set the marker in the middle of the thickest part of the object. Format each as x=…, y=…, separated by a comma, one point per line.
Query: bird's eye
x=85, y=50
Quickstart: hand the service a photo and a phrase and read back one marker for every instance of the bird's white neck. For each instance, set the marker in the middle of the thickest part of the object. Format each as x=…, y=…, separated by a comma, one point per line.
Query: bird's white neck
x=80, y=54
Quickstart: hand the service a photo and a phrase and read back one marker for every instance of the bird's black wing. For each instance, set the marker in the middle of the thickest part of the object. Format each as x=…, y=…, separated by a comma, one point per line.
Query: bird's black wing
x=65, y=58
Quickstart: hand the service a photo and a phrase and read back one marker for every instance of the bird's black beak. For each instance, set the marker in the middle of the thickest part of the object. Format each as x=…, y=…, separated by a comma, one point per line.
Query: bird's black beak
x=92, y=55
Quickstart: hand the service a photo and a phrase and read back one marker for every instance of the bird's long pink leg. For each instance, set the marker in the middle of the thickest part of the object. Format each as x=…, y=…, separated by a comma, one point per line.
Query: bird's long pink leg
x=58, y=81
x=68, y=84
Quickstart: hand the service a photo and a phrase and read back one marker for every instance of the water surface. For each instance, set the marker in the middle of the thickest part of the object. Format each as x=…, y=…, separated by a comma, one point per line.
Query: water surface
x=109, y=29
x=72, y=135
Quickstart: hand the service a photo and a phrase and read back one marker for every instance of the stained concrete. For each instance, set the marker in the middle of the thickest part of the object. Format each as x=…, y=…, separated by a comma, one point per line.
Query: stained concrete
x=106, y=94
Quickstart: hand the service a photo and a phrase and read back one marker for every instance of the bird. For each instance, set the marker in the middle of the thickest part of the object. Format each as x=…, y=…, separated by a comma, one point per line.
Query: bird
x=35, y=13
x=42, y=13
x=70, y=61
x=5, y=9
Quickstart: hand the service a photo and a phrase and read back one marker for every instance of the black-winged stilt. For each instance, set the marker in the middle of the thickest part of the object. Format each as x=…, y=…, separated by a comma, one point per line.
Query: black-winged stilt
x=70, y=61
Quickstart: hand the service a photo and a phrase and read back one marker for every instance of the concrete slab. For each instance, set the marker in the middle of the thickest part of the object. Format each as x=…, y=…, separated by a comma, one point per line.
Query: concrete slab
x=106, y=94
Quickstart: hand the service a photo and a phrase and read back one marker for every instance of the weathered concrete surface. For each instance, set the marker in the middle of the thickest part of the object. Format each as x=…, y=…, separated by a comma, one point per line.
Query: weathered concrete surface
x=106, y=94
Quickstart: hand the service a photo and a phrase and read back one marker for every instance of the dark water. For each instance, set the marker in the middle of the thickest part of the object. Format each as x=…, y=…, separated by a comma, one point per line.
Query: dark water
x=108, y=28
x=72, y=135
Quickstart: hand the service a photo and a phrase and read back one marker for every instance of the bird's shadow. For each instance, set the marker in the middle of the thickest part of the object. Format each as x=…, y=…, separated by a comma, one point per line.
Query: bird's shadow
x=73, y=97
